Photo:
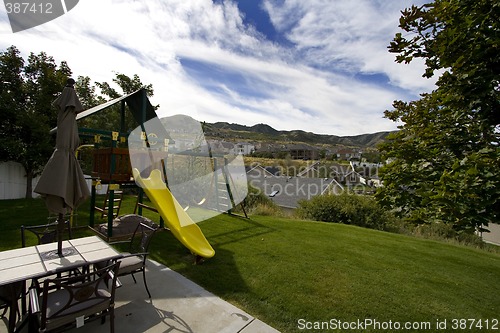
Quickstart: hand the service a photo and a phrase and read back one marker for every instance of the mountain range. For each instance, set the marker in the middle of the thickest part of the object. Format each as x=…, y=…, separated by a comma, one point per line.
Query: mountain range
x=264, y=132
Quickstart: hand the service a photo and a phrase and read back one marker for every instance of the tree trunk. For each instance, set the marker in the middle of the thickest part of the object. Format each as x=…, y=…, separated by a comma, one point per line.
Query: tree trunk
x=29, y=184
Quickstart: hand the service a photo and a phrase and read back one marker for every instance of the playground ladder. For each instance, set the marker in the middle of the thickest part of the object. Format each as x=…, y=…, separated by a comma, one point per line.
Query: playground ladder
x=116, y=203
x=223, y=199
x=224, y=196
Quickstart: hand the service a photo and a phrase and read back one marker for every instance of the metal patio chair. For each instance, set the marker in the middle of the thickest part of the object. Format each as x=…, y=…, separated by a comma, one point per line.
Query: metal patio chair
x=9, y=296
x=134, y=261
x=68, y=302
x=45, y=233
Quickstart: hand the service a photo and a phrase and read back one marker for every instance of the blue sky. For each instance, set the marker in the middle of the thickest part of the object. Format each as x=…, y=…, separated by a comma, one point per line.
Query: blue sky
x=316, y=65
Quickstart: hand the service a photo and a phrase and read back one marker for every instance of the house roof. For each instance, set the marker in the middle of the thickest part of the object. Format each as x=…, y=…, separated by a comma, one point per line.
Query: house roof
x=258, y=171
x=348, y=151
x=341, y=169
x=312, y=167
x=227, y=145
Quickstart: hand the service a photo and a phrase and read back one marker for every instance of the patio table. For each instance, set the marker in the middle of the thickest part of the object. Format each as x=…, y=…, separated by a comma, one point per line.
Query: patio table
x=42, y=260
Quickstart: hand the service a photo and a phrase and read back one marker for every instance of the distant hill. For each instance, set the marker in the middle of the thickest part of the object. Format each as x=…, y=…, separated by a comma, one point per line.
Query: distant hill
x=263, y=132
x=259, y=128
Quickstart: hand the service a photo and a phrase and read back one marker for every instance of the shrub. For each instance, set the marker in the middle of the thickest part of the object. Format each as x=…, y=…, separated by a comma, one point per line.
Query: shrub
x=440, y=232
x=258, y=203
x=443, y=231
x=345, y=208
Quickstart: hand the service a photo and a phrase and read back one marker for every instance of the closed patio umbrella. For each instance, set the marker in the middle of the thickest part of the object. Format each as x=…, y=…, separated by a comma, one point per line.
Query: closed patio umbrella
x=62, y=183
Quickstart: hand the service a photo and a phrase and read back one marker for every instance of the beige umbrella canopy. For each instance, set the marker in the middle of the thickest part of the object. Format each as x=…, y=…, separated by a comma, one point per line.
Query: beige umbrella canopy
x=62, y=183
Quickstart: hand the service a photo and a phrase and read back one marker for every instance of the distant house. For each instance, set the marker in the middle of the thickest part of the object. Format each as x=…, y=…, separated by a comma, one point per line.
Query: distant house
x=265, y=149
x=299, y=151
x=225, y=147
x=369, y=172
x=345, y=175
x=221, y=147
x=348, y=154
x=244, y=148
x=302, y=151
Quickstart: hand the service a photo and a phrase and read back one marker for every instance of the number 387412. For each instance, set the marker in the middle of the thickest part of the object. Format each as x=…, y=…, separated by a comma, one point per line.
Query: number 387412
x=28, y=8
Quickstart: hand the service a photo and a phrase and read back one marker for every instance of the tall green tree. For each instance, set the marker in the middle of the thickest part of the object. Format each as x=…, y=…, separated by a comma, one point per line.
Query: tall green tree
x=12, y=97
x=86, y=92
x=445, y=159
x=28, y=89
x=109, y=119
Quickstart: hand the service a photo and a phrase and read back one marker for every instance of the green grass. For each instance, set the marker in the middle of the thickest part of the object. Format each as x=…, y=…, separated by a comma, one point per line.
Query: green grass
x=282, y=270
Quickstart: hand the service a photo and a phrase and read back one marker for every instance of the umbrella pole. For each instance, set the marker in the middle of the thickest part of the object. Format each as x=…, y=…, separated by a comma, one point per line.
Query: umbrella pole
x=60, y=230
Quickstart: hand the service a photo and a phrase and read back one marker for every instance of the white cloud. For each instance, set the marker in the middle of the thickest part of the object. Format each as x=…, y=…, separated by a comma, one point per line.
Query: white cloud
x=310, y=87
x=348, y=35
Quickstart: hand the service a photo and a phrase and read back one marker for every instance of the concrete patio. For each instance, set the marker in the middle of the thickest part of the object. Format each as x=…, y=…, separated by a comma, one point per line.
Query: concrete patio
x=178, y=305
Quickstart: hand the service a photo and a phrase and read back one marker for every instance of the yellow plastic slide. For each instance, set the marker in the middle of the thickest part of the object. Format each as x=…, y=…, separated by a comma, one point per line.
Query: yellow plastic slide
x=177, y=220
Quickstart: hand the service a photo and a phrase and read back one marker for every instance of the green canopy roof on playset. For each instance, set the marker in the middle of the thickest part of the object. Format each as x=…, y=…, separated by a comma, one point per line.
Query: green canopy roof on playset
x=138, y=103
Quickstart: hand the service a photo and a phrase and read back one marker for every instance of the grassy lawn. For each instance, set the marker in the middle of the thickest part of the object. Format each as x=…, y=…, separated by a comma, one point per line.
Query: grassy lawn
x=282, y=270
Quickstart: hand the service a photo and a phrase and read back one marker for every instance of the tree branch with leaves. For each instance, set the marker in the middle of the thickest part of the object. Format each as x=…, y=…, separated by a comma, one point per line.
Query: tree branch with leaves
x=445, y=159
